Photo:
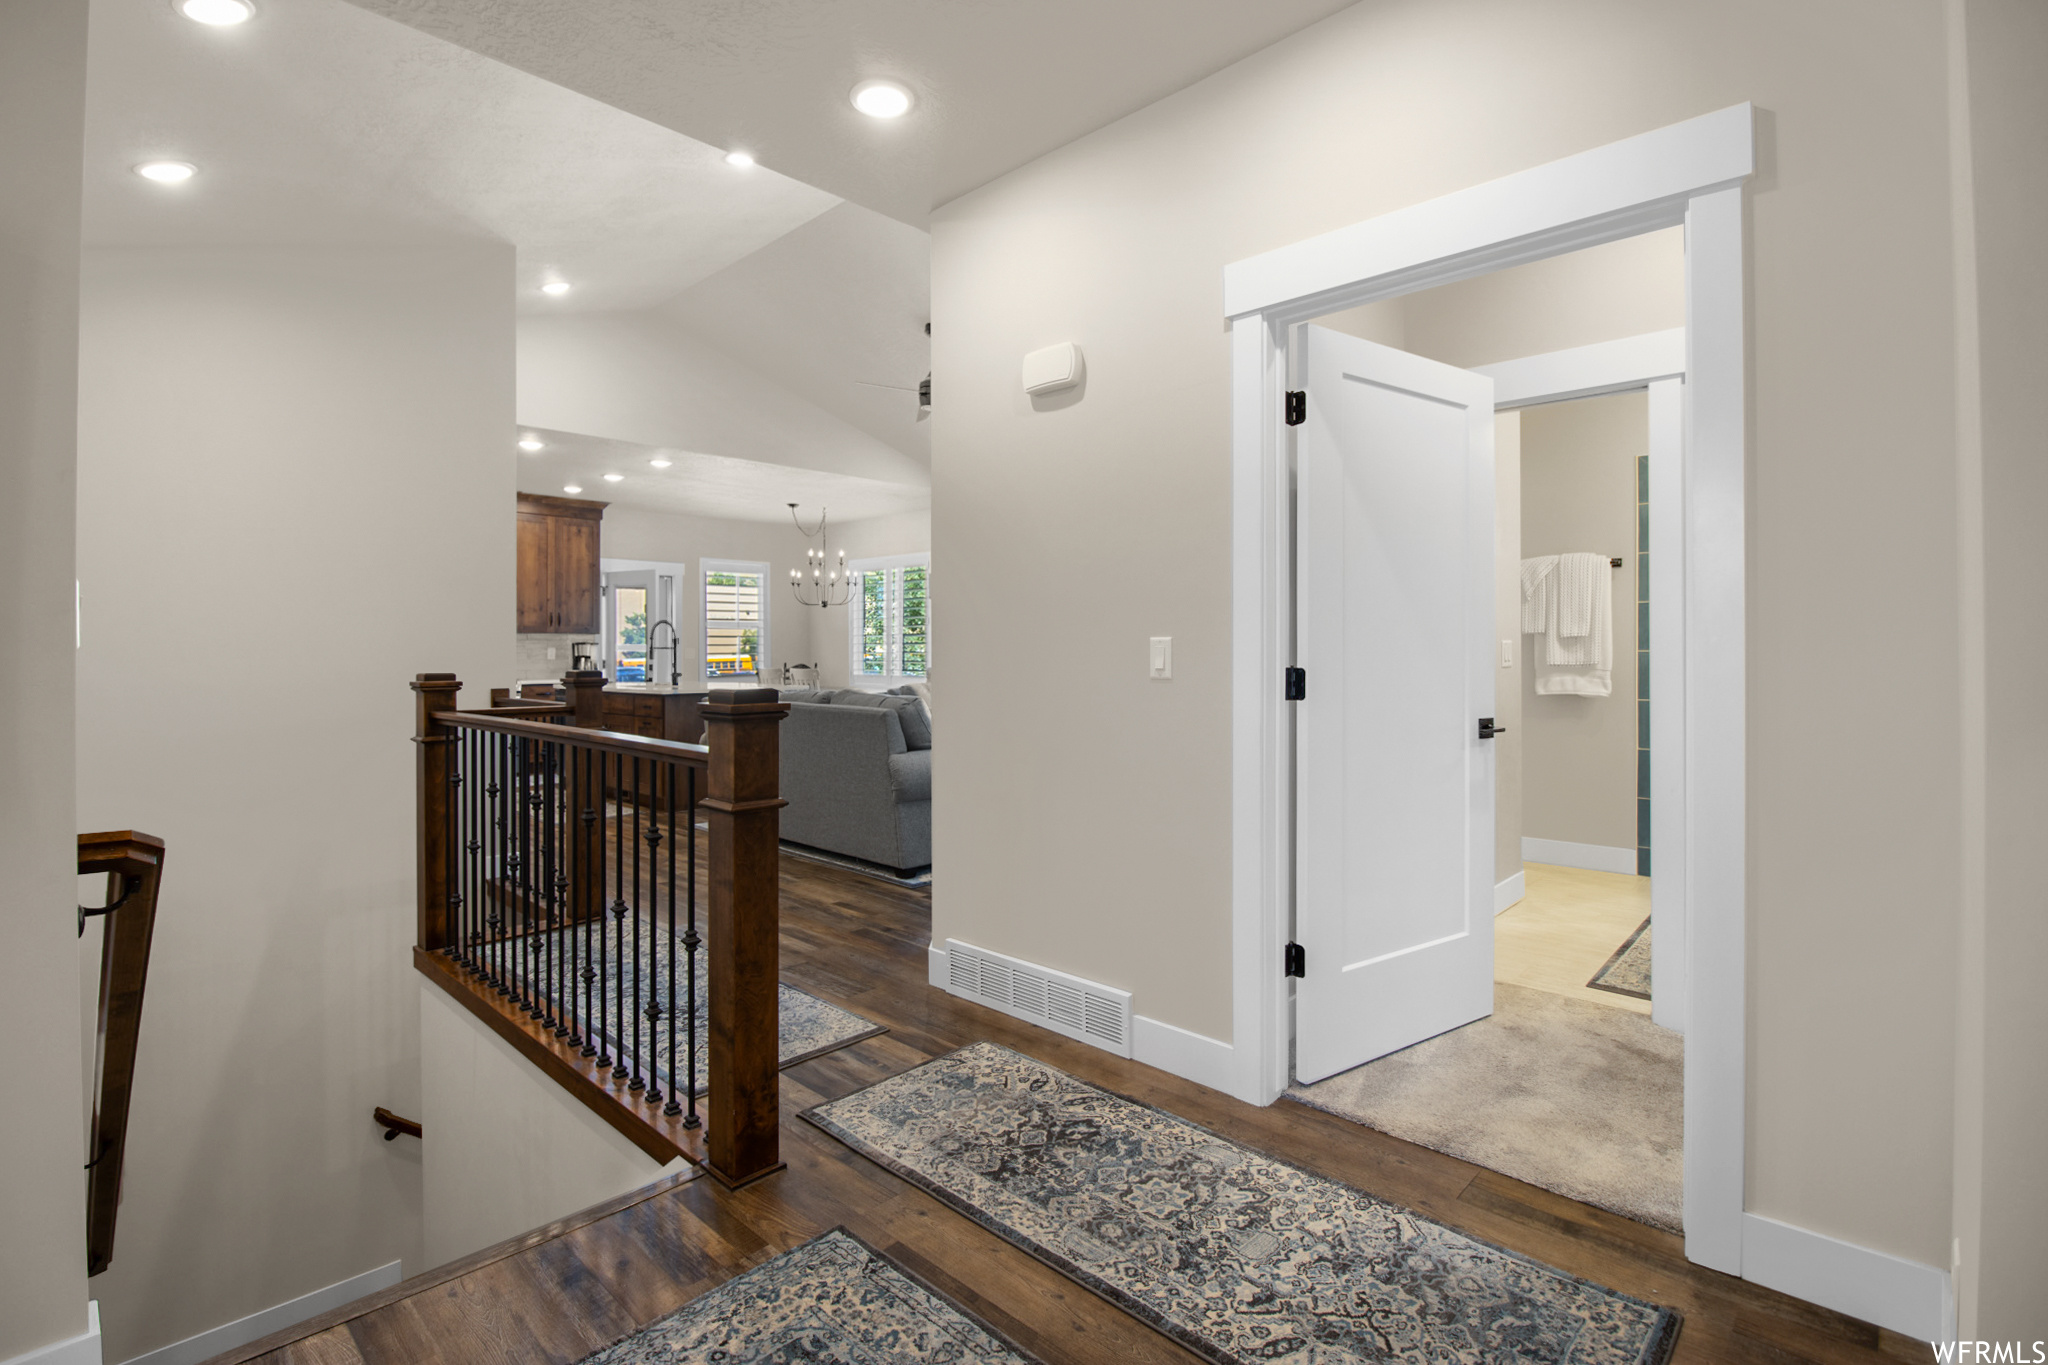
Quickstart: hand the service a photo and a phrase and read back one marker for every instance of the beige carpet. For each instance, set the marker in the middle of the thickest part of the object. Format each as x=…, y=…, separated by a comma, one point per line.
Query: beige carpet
x=1578, y=1098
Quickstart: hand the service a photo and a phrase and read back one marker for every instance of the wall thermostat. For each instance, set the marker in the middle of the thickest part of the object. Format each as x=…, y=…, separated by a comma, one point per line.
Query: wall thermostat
x=1052, y=369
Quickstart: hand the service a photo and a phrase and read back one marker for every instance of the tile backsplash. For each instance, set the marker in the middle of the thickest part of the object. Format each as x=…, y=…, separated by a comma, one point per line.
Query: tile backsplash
x=531, y=660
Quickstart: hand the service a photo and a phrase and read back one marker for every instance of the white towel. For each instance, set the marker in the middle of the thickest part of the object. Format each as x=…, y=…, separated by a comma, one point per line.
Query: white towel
x=1568, y=601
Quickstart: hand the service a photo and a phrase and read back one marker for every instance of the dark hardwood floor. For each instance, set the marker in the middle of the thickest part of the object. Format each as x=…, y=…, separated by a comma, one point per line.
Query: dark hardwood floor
x=561, y=1292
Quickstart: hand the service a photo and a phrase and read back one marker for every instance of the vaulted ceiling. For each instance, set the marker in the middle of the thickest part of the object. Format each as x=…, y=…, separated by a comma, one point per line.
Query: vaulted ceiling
x=591, y=136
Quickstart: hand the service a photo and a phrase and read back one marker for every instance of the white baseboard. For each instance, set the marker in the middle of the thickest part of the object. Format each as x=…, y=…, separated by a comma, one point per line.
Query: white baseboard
x=1592, y=857
x=1509, y=890
x=276, y=1318
x=79, y=1350
x=1890, y=1291
x=1172, y=1049
x=1191, y=1056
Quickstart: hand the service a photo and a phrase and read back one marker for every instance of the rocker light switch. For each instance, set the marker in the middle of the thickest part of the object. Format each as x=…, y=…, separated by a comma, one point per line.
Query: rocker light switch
x=1507, y=653
x=1162, y=656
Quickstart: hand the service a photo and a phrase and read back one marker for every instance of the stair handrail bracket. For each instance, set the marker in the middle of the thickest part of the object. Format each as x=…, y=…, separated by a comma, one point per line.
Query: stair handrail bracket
x=609, y=904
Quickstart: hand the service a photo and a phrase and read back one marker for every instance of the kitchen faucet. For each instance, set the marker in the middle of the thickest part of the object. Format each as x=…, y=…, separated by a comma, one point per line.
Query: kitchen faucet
x=675, y=660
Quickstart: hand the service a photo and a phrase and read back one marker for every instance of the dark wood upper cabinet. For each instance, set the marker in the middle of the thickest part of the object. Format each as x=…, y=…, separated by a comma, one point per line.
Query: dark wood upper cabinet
x=558, y=576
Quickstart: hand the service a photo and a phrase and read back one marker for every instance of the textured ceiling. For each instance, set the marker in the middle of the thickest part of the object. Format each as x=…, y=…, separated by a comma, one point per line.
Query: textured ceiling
x=704, y=485
x=318, y=122
x=998, y=83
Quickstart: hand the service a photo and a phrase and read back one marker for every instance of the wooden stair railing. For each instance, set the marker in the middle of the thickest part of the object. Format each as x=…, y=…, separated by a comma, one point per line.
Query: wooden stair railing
x=133, y=866
x=554, y=858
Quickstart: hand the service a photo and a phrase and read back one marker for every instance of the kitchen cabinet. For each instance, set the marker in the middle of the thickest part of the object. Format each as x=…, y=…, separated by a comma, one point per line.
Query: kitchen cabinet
x=557, y=557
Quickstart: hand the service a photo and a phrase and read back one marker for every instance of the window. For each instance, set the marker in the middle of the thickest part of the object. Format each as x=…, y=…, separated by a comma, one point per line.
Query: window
x=891, y=643
x=629, y=634
x=735, y=619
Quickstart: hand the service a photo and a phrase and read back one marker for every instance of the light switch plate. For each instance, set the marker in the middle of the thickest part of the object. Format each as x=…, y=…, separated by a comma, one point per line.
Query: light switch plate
x=1162, y=656
x=1507, y=653
x=551, y=653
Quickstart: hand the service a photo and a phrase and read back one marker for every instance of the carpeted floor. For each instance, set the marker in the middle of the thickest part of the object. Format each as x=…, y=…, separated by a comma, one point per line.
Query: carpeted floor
x=1571, y=1096
x=1238, y=1256
x=832, y=1301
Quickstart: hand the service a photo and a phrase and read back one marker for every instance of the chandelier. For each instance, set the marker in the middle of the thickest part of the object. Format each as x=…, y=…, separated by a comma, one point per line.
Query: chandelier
x=828, y=586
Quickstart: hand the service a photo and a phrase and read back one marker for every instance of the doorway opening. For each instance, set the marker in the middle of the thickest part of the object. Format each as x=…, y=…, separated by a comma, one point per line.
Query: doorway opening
x=1689, y=174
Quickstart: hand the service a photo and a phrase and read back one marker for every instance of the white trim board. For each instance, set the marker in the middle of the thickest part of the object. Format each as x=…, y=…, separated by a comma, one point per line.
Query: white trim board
x=1875, y=1286
x=1591, y=857
x=1510, y=890
x=1629, y=187
x=276, y=1318
x=1587, y=371
x=1174, y=1050
x=1690, y=173
x=83, y=1349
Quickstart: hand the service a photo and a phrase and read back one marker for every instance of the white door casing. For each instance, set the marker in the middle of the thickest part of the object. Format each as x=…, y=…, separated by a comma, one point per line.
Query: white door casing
x=1395, y=620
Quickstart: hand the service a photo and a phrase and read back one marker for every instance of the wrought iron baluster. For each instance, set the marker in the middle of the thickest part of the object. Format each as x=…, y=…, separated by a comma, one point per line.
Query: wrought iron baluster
x=675, y=1077
x=451, y=937
x=655, y=946
x=498, y=869
x=690, y=942
x=631, y=1003
x=592, y=873
x=617, y=1019
x=551, y=871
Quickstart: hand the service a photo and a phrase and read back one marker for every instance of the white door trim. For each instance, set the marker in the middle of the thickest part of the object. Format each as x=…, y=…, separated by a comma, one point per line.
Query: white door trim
x=1587, y=371
x=1691, y=174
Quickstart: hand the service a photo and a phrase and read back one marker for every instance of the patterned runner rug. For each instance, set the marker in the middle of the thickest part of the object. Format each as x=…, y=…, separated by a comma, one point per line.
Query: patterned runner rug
x=1240, y=1257
x=833, y=1301
x=1628, y=971
x=810, y=1027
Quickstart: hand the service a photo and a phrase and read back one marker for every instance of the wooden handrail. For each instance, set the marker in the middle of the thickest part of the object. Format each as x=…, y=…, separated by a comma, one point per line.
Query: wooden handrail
x=499, y=921
x=609, y=741
x=133, y=864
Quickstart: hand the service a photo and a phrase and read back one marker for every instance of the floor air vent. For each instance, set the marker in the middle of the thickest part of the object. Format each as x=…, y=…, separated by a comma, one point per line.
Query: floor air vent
x=1065, y=1004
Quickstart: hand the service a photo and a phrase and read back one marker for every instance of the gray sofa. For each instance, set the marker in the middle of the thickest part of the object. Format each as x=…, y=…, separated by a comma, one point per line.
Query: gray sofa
x=857, y=774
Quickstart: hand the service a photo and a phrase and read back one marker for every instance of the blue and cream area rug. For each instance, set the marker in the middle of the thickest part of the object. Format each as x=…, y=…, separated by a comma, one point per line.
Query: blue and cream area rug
x=1628, y=971
x=1238, y=1256
x=832, y=1301
x=809, y=1026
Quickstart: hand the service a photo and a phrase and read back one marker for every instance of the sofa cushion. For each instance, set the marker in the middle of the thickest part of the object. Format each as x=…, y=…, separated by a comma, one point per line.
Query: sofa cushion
x=916, y=722
x=911, y=773
x=853, y=696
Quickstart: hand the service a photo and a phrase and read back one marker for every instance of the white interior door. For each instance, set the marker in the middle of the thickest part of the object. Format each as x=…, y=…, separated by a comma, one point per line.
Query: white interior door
x=1394, y=627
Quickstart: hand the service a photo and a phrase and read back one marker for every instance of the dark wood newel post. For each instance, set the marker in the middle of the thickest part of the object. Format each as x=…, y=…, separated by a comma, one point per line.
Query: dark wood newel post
x=741, y=807
x=434, y=755
x=584, y=689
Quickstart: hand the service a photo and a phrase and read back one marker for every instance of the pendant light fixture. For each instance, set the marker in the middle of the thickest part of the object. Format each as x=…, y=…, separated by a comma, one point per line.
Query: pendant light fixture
x=827, y=585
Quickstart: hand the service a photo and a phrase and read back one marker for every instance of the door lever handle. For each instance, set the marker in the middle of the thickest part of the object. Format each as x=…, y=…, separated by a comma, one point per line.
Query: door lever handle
x=1487, y=729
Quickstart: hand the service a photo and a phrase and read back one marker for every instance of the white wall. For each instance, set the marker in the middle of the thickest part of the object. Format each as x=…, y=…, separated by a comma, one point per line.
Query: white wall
x=507, y=1149
x=2001, y=1188
x=1579, y=493
x=636, y=533
x=907, y=533
x=42, y=1141
x=295, y=492
x=1118, y=241
x=1508, y=766
x=633, y=377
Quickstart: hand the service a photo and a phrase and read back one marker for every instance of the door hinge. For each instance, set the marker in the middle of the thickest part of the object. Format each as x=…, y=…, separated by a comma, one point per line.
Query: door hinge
x=1297, y=407
x=1297, y=960
x=1297, y=684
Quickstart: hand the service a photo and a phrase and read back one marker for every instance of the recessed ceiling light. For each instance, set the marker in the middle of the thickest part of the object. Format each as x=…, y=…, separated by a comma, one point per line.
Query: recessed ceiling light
x=167, y=172
x=659, y=463
x=532, y=443
x=556, y=287
x=613, y=478
x=881, y=99
x=739, y=159
x=572, y=488
x=219, y=13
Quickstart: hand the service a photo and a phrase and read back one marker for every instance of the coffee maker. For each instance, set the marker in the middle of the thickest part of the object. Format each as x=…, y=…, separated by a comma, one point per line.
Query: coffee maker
x=582, y=655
